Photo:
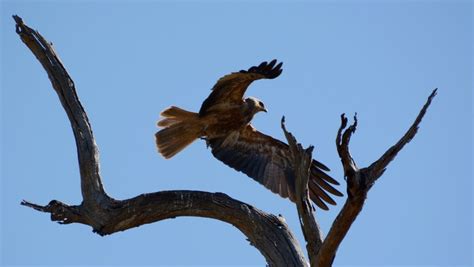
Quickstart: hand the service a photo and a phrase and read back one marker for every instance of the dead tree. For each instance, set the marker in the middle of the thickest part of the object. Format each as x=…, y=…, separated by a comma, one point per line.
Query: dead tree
x=268, y=233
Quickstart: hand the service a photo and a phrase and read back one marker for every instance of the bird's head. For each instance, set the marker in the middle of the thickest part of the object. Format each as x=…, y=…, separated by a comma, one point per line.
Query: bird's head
x=255, y=105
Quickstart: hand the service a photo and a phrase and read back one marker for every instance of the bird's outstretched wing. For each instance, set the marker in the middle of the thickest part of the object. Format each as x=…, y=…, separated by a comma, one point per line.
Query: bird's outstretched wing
x=266, y=160
x=230, y=89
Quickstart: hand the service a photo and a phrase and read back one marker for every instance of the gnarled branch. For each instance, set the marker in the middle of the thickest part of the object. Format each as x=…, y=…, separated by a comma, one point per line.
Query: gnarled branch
x=268, y=233
x=359, y=182
x=321, y=251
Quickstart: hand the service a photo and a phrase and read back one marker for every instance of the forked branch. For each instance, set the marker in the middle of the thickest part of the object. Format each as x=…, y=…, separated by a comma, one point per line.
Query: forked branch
x=359, y=182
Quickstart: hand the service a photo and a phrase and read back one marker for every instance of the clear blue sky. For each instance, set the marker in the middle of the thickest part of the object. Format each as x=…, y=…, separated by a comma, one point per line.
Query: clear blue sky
x=130, y=60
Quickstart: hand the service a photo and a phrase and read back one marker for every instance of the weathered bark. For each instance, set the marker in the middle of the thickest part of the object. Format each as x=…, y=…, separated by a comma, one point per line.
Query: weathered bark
x=268, y=233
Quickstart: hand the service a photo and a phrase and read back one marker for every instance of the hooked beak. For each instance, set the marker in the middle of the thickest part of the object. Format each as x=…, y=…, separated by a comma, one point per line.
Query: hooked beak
x=264, y=110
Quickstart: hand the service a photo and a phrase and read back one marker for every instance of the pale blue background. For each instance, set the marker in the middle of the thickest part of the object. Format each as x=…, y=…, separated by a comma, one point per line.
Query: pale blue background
x=130, y=60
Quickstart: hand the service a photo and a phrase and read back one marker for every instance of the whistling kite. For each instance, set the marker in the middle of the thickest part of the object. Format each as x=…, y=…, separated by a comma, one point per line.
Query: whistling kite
x=224, y=122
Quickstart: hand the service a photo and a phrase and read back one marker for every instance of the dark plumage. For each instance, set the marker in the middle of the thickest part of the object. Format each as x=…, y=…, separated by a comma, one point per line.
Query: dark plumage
x=224, y=122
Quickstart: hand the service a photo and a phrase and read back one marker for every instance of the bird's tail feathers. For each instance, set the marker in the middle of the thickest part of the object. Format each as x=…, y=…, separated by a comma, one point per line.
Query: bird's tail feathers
x=175, y=112
x=181, y=128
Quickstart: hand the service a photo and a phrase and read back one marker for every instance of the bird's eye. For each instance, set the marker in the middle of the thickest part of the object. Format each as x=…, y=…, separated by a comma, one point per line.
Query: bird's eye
x=261, y=104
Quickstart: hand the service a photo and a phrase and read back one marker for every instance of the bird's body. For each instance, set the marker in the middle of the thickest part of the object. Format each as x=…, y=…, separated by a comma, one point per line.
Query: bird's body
x=224, y=122
x=229, y=119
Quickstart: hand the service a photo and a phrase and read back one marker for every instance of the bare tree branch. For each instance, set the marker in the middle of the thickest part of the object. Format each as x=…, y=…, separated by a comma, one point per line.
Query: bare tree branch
x=91, y=185
x=359, y=182
x=378, y=167
x=268, y=233
x=301, y=161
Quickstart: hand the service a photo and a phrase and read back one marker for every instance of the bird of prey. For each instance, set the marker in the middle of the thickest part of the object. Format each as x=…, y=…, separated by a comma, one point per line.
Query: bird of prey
x=224, y=123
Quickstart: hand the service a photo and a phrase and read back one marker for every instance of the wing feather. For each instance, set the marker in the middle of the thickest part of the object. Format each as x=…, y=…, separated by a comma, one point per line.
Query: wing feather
x=230, y=89
x=266, y=160
x=318, y=201
x=323, y=184
x=321, y=193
